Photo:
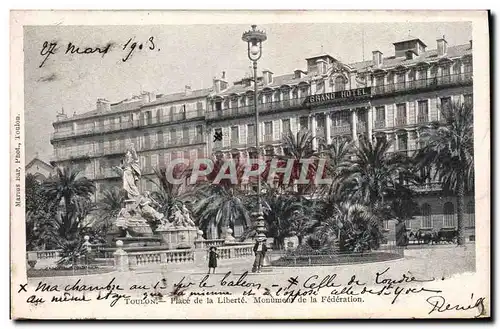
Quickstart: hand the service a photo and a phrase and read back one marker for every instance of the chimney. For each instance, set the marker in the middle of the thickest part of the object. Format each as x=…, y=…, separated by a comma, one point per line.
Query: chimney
x=103, y=105
x=298, y=74
x=441, y=46
x=378, y=59
x=268, y=77
x=187, y=90
x=470, y=43
x=147, y=96
x=61, y=116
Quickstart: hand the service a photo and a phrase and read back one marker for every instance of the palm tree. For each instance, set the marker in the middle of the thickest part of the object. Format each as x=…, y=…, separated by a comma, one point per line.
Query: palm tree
x=337, y=154
x=284, y=215
x=221, y=203
x=220, y=207
x=108, y=208
x=68, y=187
x=373, y=171
x=299, y=147
x=354, y=227
x=449, y=150
x=170, y=194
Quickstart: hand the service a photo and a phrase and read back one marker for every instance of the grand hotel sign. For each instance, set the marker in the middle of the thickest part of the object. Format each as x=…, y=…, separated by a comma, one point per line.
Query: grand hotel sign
x=353, y=94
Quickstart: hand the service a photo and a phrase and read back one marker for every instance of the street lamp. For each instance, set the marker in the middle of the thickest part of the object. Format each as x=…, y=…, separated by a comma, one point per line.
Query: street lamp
x=254, y=39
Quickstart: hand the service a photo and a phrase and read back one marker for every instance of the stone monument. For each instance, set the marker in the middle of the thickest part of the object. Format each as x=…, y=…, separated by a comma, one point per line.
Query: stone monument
x=139, y=223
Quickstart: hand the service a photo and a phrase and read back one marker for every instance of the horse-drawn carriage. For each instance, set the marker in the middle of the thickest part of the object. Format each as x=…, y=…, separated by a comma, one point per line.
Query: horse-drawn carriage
x=429, y=236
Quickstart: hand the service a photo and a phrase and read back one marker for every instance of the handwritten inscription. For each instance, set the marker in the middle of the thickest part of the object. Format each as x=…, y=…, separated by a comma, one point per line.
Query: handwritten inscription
x=231, y=288
x=51, y=48
x=440, y=305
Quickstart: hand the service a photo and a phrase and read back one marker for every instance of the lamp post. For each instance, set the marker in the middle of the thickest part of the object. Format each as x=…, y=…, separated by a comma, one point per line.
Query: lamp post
x=254, y=39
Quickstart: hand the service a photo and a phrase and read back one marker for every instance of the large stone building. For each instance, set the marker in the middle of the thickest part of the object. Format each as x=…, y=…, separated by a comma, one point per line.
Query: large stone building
x=161, y=127
x=392, y=97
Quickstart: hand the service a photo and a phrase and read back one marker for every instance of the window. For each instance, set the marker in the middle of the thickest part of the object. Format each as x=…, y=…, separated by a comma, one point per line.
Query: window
x=380, y=117
x=304, y=91
x=445, y=103
x=172, y=112
x=218, y=106
x=304, y=123
x=199, y=106
x=148, y=164
x=468, y=100
x=320, y=124
x=268, y=97
x=268, y=131
x=401, y=114
x=449, y=215
x=423, y=111
x=149, y=117
x=402, y=142
x=320, y=87
x=339, y=83
x=201, y=153
x=295, y=93
x=234, y=135
x=217, y=142
x=468, y=67
x=199, y=133
x=173, y=136
x=426, y=216
x=251, y=133
x=379, y=80
x=471, y=214
x=234, y=102
x=159, y=138
x=147, y=141
x=400, y=80
x=286, y=125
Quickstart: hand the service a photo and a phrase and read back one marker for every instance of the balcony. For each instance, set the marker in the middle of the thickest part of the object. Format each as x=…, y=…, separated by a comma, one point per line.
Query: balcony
x=401, y=122
x=341, y=130
x=379, y=124
x=116, y=126
x=250, y=109
x=450, y=80
x=423, y=118
x=268, y=138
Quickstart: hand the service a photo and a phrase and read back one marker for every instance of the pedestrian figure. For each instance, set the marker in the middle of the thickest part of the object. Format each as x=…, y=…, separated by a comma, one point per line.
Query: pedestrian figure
x=212, y=259
x=259, y=250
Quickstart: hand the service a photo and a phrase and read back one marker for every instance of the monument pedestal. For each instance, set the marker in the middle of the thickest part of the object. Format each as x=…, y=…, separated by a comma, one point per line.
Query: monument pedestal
x=178, y=237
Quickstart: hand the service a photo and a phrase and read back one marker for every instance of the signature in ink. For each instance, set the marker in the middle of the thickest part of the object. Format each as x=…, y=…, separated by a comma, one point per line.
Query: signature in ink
x=440, y=305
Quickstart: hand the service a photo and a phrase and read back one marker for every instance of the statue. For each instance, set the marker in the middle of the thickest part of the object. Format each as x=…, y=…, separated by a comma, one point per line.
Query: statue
x=147, y=210
x=187, y=218
x=131, y=173
x=181, y=218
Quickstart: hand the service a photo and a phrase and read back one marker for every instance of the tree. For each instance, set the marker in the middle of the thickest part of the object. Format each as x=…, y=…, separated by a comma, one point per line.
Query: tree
x=71, y=188
x=299, y=147
x=448, y=152
x=108, y=208
x=353, y=225
x=39, y=216
x=170, y=194
x=373, y=171
x=284, y=215
x=221, y=203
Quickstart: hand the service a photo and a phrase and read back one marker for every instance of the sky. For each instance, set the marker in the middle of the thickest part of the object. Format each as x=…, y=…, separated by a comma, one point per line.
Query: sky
x=183, y=55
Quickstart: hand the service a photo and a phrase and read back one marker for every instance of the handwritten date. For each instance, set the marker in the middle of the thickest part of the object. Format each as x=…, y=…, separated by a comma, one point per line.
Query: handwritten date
x=71, y=49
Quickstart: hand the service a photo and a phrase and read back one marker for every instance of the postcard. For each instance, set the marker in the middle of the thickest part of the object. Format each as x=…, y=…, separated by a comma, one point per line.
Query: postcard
x=250, y=165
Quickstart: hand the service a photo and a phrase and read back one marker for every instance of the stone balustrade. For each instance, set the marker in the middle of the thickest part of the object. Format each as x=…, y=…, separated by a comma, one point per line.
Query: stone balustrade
x=202, y=244
x=46, y=254
x=196, y=257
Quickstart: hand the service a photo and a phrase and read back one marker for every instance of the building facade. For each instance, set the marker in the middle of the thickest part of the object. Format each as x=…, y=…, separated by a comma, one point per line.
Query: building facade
x=392, y=97
x=161, y=127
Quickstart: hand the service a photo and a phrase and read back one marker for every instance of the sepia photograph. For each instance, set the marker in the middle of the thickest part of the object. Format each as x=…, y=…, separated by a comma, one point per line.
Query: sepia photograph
x=250, y=165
